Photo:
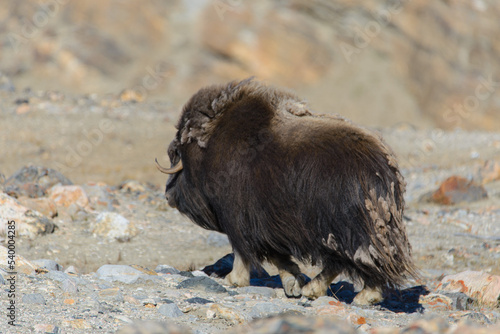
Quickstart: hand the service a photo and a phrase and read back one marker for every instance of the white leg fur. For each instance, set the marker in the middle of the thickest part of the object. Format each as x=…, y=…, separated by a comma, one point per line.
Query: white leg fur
x=368, y=296
x=240, y=275
x=319, y=285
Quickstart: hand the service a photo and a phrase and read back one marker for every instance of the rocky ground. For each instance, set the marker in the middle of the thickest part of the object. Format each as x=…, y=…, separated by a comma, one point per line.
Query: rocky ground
x=99, y=250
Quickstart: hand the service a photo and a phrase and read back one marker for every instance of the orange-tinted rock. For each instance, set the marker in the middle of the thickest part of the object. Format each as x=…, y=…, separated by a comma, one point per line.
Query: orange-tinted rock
x=483, y=287
x=44, y=205
x=436, y=302
x=28, y=223
x=490, y=171
x=67, y=195
x=457, y=189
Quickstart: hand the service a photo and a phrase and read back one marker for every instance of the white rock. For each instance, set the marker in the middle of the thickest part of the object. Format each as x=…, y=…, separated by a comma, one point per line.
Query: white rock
x=28, y=223
x=113, y=226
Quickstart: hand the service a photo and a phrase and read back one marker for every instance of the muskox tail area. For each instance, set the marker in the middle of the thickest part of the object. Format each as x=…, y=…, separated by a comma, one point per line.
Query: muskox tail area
x=388, y=257
x=378, y=250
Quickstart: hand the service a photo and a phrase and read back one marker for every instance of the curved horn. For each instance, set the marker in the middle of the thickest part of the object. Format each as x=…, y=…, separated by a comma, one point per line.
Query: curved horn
x=173, y=170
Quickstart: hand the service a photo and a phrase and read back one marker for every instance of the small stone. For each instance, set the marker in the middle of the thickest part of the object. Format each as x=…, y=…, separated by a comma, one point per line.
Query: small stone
x=69, y=301
x=71, y=270
x=33, y=298
x=48, y=264
x=227, y=313
x=202, y=283
x=46, y=329
x=77, y=324
x=130, y=95
x=109, y=292
x=198, y=300
x=483, y=287
x=258, y=290
x=325, y=301
x=120, y=273
x=132, y=186
x=113, y=226
x=170, y=311
x=457, y=189
x=67, y=195
x=198, y=273
x=265, y=309
x=166, y=269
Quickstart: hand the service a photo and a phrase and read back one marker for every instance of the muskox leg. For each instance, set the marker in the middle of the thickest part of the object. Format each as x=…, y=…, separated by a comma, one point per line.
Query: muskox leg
x=240, y=275
x=291, y=277
x=368, y=296
x=320, y=284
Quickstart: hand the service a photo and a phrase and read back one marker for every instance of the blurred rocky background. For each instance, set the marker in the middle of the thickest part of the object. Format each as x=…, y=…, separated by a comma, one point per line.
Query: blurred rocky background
x=380, y=63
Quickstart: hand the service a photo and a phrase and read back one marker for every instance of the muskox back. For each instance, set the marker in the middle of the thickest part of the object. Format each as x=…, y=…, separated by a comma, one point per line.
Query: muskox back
x=281, y=181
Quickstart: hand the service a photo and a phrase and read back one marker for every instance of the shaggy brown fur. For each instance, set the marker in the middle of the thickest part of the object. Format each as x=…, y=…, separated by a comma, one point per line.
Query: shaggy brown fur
x=283, y=182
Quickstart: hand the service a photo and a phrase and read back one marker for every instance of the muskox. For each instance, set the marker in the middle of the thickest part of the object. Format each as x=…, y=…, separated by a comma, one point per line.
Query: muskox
x=253, y=162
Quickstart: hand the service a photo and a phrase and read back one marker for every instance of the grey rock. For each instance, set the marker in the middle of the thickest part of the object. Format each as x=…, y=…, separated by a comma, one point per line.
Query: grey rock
x=57, y=276
x=2, y=280
x=120, y=273
x=216, y=239
x=197, y=273
x=170, y=311
x=258, y=290
x=460, y=300
x=198, y=300
x=70, y=286
x=70, y=269
x=33, y=298
x=68, y=283
x=166, y=269
x=48, y=264
x=266, y=309
x=33, y=181
x=202, y=283
x=186, y=273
